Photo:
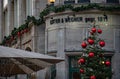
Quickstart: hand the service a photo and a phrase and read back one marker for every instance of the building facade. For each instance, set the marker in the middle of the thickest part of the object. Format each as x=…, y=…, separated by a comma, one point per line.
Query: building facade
x=62, y=31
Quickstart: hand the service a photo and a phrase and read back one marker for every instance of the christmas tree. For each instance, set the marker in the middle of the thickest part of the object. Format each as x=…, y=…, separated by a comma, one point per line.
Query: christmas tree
x=93, y=63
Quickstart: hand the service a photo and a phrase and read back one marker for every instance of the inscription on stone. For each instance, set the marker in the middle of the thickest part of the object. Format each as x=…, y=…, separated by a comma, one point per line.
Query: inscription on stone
x=77, y=19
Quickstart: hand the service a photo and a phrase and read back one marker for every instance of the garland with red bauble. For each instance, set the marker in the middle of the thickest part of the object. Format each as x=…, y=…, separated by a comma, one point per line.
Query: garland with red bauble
x=102, y=43
x=19, y=34
x=81, y=61
x=93, y=63
x=84, y=45
x=92, y=77
x=91, y=54
x=90, y=41
x=82, y=71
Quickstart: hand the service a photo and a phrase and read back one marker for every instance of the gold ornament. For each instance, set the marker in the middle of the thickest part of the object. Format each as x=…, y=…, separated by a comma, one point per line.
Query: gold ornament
x=103, y=62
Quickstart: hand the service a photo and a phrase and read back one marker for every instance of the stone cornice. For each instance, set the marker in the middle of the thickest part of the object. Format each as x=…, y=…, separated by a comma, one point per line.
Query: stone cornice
x=80, y=8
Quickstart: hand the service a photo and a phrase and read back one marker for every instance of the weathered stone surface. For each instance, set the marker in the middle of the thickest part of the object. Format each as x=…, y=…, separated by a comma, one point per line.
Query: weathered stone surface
x=68, y=36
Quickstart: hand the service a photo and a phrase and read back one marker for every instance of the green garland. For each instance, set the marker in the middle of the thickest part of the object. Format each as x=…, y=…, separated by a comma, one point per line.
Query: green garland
x=14, y=32
x=62, y=8
x=57, y=9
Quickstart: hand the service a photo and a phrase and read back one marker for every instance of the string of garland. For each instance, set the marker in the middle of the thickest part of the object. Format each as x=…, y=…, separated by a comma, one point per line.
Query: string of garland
x=71, y=7
x=55, y=9
x=17, y=32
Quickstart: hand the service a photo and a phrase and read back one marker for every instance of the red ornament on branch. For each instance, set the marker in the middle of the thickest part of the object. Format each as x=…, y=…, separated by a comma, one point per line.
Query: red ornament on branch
x=82, y=71
x=91, y=54
x=99, y=31
x=25, y=30
x=84, y=45
x=92, y=77
x=94, y=52
x=81, y=61
x=102, y=43
x=93, y=30
x=107, y=63
x=19, y=34
x=22, y=31
x=90, y=41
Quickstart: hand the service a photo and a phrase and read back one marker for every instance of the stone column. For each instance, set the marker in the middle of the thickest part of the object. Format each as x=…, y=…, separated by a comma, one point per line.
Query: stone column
x=116, y=66
x=62, y=66
x=33, y=8
x=29, y=4
x=117, y=40
x=33, y=34
x=21, y=11
x=1, y=19
x=38, y=6
x=46, y=41
x=15, y=14
x=34, y=27
x=10, y=16
x=32, y=13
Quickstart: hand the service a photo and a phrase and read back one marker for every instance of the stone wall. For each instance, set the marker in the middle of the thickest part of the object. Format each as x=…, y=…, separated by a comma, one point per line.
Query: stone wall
x=40, y=38
x=65, y=36
x=116, y=66
x=75, y=32
x=1, y=18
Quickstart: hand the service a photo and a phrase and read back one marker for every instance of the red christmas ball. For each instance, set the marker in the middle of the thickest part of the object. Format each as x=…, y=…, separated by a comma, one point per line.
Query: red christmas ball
x=81, y=70
x=102, y=43
x=92, y=77
x=84, y=45
x=91, y=54
x=19, y=34
x=81, y=61
x=107, y=63
x=25, y=30
x=90, y=41
x=93, y=30
x=99, y=31
x=22, y=32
